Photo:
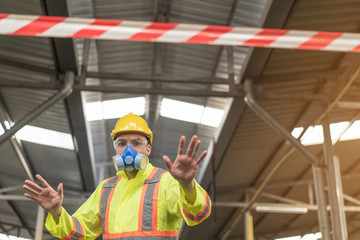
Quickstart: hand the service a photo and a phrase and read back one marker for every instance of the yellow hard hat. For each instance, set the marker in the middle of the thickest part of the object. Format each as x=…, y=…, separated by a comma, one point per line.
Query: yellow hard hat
x=132, y=123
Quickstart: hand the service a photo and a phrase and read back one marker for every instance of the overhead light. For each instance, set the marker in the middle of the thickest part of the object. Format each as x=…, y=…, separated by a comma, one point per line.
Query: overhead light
x=348, y=104
x=281, y=209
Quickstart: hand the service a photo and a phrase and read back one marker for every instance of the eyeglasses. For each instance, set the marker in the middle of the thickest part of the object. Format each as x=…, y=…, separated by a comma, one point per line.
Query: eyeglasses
x=135, y=142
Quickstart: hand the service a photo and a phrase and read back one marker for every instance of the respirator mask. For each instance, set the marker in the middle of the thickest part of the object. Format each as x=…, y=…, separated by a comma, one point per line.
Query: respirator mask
x=130, y=160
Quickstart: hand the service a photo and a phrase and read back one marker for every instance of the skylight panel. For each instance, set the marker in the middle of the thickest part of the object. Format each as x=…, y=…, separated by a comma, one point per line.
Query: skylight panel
x=46, y=137
x=190, y=112
x=114, y=108
x=337, y=128
x=290, y=238
x=183, y=111
x=309, y=236
x=2, y=131
x=297, y=131
x=94, y=111
x=312, y=236
x=120, y=107
x=353, y=132
x=212, y=117
x=314, y=135
x=5, y=237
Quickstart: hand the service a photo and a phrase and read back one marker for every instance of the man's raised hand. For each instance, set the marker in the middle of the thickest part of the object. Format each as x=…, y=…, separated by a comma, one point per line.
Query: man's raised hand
x=185, y=167
x=46, y=196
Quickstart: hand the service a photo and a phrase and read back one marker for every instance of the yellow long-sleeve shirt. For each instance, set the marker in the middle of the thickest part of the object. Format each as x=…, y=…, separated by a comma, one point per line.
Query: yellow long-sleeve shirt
x=124, y=218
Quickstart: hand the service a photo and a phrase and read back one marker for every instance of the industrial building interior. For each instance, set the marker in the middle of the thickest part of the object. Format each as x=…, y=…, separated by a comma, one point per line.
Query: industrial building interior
x=281, y=126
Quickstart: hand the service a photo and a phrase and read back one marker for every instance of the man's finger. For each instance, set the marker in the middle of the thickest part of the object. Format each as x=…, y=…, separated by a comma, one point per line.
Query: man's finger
x=197, y=146
x=202, y=156
x=33, y=185
x=189, y=151
x=31, y=190
x=167, y=162
x=181, y=145
x=43, y=181
x=60, y=189
x=30, y=196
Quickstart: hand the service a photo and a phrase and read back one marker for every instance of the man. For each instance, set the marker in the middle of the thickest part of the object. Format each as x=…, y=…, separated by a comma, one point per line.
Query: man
x=141, y=201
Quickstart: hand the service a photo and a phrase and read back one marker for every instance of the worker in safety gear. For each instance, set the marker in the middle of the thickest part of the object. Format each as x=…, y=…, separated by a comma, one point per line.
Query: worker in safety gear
x=141, y=201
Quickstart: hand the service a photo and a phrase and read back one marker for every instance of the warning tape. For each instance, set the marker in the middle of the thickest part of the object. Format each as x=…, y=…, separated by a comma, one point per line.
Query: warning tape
x=68, y=27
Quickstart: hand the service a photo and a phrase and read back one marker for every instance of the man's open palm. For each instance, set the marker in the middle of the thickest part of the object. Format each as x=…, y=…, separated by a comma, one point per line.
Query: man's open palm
x=46, y=196
x=185, y=167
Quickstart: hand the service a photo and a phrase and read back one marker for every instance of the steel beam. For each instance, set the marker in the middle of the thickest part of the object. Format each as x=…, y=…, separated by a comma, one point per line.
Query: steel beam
x=63, y=93
x=147, y=78
x=27, y=66
x=250, y=101
x=281, y=207
x=85, y=61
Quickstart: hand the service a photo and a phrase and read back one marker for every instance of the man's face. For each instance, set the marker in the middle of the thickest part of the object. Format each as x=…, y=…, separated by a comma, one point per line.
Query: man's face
x=137, y=141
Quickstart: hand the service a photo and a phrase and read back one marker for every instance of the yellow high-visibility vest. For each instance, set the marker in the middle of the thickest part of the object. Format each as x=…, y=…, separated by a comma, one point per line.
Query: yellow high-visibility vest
x=149, y=206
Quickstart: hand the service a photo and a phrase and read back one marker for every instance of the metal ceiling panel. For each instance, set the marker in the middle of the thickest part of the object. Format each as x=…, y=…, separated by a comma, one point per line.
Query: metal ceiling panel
x=21, y=7
x=141, y=10
x=21, y=102
x=200, y=12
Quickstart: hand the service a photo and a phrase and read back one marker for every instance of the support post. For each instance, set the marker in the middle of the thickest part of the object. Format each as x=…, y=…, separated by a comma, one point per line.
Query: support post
x=39, y=223
x=338, y=221
x=335, y=165
x=249, y=227
x=321, y=202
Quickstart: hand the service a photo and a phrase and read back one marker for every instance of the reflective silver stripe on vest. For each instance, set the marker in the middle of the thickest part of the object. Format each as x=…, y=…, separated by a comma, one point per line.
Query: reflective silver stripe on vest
x=200, y=218
x=78, y=230
x=147, y=216
x=105, y=197
x=144, y=238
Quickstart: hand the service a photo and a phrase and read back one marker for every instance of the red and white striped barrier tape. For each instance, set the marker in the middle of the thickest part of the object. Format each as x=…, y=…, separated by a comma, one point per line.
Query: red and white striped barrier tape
x=67, y=27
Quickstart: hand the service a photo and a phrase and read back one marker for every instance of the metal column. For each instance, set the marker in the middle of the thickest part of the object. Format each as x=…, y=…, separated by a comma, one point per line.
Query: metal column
x=321, y=202
x=249, y=227
x=39, y=223
x=338, y=219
